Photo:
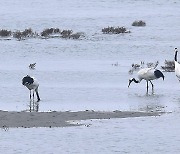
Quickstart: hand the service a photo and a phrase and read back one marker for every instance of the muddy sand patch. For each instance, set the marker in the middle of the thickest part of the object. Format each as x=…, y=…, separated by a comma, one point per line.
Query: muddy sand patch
x=60, y=119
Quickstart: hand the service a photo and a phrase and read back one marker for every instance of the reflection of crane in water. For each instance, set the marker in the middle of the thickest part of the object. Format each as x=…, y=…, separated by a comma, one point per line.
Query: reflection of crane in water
x=32, y=84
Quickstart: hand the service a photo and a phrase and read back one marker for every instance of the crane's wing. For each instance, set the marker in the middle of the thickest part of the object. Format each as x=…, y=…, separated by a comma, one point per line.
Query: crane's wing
x=177, y=70
x=146, y=74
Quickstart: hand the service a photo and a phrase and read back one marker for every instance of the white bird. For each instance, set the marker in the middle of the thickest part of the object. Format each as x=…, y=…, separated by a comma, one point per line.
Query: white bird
x=147, y=74
x=32, y=84
x=177, y=65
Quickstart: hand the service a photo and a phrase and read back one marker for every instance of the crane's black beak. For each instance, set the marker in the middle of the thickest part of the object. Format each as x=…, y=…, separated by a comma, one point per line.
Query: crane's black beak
x=129, y=83
x=163, y=77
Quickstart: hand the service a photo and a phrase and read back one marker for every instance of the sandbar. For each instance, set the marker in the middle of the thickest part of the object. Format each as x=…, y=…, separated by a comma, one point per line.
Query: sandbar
x=12, y=119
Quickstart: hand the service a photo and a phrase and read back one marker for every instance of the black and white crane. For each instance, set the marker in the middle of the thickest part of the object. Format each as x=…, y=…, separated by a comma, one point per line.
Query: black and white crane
x=177, y=65
x=147, y=74
x=32, y=84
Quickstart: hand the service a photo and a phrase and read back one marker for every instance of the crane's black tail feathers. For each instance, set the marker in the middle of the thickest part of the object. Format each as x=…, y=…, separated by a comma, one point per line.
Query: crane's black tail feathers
x=158, y=74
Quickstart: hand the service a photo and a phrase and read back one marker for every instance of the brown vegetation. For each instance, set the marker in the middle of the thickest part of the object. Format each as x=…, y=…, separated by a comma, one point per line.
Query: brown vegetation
x=50, y=31
x=169, y=66
x=115, y=30
x=46, y=33
x=24, y=34
x=5, y=33
x=139, y=23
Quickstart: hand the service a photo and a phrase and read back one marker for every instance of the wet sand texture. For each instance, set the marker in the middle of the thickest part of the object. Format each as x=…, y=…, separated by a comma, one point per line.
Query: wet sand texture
x=60, y=119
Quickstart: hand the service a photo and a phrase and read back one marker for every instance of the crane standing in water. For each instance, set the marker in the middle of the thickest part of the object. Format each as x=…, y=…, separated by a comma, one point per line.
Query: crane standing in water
x=147, y=74
x=177, y=65
x=32, y=84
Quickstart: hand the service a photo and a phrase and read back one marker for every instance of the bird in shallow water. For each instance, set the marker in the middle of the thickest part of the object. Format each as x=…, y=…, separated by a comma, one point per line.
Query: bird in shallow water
x=177, y=65
x=32, y=84
x=147, y=74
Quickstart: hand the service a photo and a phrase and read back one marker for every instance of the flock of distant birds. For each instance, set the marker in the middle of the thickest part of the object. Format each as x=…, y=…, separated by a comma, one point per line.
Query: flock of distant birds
x=148, y=74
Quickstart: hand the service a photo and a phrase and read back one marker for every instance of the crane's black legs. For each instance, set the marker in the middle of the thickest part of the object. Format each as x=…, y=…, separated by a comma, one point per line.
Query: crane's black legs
x=152, y=85
x=30, y=107
x=37, y=94
x=147, y=86
x=33, y=100
x=30, y=95
x=34, y=106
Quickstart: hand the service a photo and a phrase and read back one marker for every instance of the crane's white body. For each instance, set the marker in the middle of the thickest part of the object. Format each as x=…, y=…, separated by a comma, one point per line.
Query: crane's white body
x=177, y=65
x=177, y=70
x=33, y=86
x=146, y=74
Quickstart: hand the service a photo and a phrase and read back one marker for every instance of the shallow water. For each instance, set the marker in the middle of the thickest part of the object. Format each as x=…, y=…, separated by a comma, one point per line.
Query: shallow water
x=80, y=74
x=130, y=135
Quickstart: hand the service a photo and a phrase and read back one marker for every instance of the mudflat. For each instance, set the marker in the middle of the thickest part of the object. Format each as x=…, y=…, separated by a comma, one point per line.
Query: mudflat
x=61, y=119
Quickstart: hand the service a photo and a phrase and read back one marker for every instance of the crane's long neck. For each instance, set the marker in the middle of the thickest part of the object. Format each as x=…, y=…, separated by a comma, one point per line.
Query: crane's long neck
x=133, y=79
x=175, y=57
x=136, y=81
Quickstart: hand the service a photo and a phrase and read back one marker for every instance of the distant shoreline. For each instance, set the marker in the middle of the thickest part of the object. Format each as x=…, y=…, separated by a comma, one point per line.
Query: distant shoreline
x=11, y=119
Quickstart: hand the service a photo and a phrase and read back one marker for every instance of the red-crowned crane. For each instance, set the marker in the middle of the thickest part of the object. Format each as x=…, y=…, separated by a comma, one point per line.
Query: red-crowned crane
x=32, y=84
x=177, y=65
x=147, y=74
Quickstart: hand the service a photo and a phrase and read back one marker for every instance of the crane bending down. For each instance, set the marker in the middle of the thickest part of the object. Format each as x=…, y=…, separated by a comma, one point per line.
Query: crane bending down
x=32, y=84
x=147, y=74
x=177, y=65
